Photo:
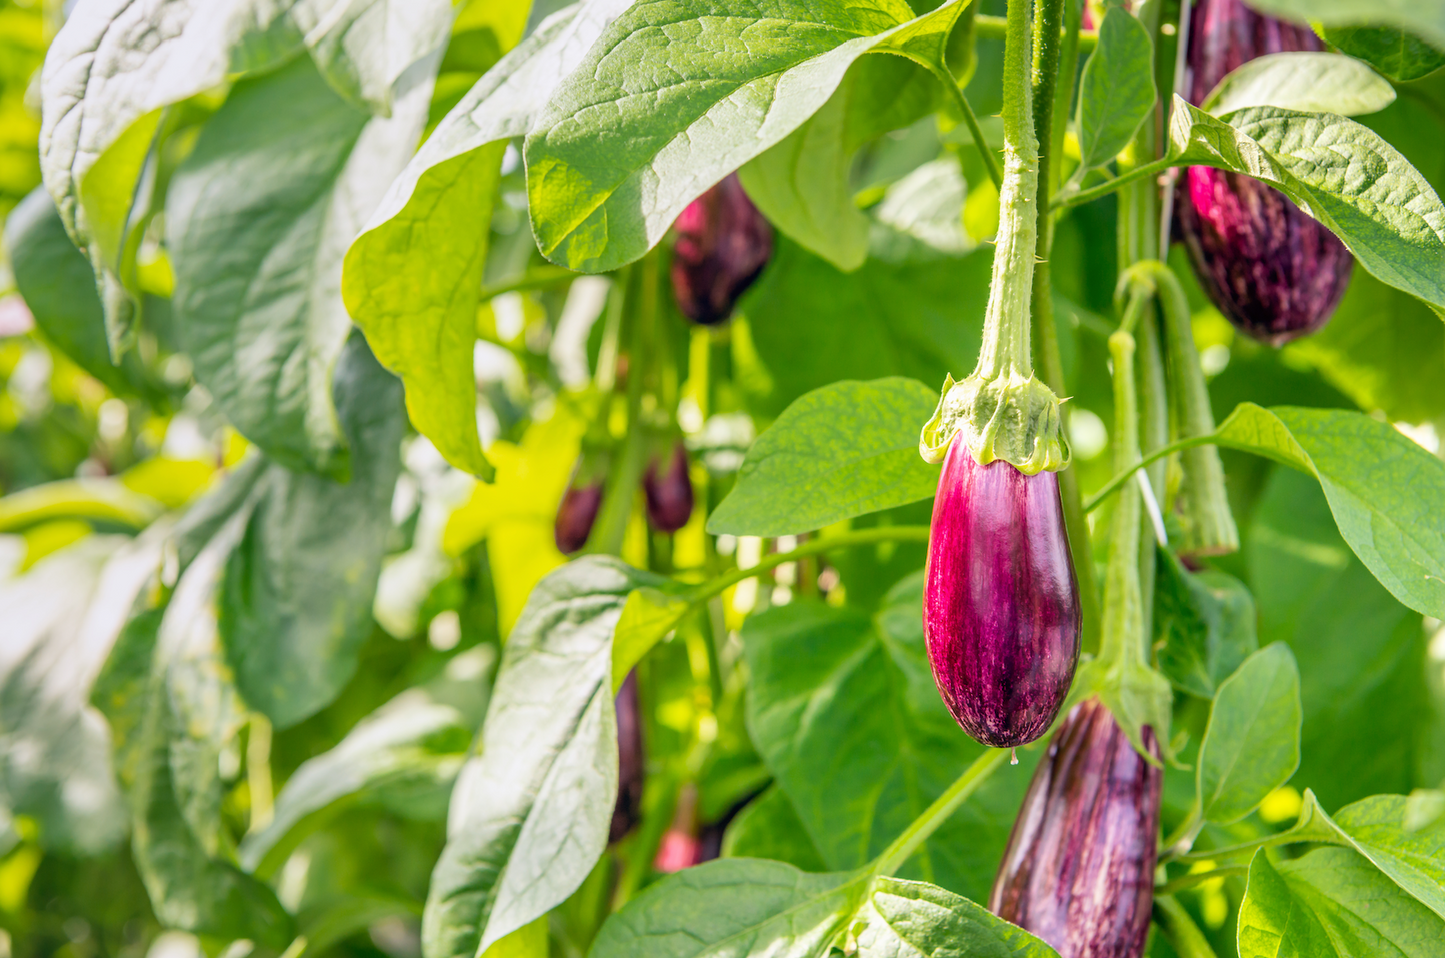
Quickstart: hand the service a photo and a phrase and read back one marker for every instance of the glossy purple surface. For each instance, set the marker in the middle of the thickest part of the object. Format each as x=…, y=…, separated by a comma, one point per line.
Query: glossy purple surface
x=631, y=760
x=1001, y=604
x=575, y=516
x=1273, y=271
x=1079, y=868
x=668, y=492
x=723, y=243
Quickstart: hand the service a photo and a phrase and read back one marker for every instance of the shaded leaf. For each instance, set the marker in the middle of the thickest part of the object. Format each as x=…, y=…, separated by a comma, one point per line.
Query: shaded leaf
x=1425, y=19
x=1206, y=624
x=769, y=828
x=1395, y=53
x=1116, y=90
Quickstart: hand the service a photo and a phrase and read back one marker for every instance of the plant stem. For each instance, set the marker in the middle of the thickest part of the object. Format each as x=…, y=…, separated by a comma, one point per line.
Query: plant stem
x=1064, y=93
x=1122, y=639
x=936, y=814
x=823, y=544
x=1080, y=197
x=1179, y=928
x=1005, y=350
x=990, y=162
x=995, y=28
x=1112, y=486
x=1199, y=878
x=539, y=278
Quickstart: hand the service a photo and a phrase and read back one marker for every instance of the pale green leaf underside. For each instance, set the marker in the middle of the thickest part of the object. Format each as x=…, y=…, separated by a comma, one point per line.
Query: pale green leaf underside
x=1309, y=82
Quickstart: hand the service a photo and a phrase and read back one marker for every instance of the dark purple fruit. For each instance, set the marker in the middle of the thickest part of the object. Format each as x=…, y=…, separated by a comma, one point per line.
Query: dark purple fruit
x=1079, y=868
x=1001, y=604
x=669, y=491
x=630, y=760
x=576, y=514
x=1273, y=271
x=723, y=243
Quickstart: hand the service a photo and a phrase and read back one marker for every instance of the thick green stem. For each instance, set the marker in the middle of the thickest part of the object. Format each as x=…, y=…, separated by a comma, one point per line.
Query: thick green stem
x=936, y=814
x=1122, y=634
x=995, y=28
x=1006, y=350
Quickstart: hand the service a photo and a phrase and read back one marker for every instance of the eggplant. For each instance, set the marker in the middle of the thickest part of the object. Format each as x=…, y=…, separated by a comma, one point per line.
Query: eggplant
x=722, y=244
x=1273, y=271
x=668, y=491
x=576, y=514
x=1001, y=610
x=630, y=760
x=1078, y=870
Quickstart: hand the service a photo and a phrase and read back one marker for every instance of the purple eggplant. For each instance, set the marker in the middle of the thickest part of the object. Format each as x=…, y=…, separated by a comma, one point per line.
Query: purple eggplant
x=576, y=514
x=1273, y=271
x=723, y=243
x=1001, y=603
x=1079, y=868
x=668, y=491
x=630, y=760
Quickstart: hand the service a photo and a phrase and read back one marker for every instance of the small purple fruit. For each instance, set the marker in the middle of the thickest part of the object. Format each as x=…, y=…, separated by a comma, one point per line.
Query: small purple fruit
x=723, y=243
x=630, y=760
x=669, y=493
x=1274, y=272
x=1078, y=871
x=576, y=514
x=1001, y=603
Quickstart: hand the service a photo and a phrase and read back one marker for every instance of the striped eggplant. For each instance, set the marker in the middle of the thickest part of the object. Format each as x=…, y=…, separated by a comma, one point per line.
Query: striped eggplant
x=668, y=490
x=1273, y=271
x=1001, y=602
x=723, y=243
x=630, y=760
x=576, y=514
x=1078, y=871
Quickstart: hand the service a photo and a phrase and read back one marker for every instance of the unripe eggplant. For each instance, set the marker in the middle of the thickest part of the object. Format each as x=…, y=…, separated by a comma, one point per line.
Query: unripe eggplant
x=576, y=514
x=1273, y=271
x=1001, y=602
x=630, y=760
x=723, y=243
x=1078, y=871
x=669, y=491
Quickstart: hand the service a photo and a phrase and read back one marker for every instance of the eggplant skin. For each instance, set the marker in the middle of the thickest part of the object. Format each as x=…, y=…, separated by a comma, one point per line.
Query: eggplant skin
x=1272, y=270
x=1001, y=602
x=575, y=516
x=631, y=760
x=1079, y=868
x=722, y=244
x=668, y=493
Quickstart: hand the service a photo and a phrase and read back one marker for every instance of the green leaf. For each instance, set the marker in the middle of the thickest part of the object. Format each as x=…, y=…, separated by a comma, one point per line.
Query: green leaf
x=844, y=711
x=768, y=827
x=532, y=810
x=921, y=216
x=412, y=279
x=1361, y=653
x=1423, y=17
x=103, y=500
x=662, y=106
x=1251, y=745
x=1116, y=91
x=1342, y=174
x=58, y=285
x=907, y=919
x=647, y=617
x=916, y=319
x=1331, y=904
x=841, y=451
x=258, y=219
x=1395, y=53
x=1385, y=491
x=296, y=601
x=1310, y=82
x=1206, y=624
x=413, y=745
x=736, y=906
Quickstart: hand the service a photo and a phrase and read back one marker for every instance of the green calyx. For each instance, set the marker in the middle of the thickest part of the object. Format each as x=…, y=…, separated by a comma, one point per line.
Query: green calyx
x=1010, y=417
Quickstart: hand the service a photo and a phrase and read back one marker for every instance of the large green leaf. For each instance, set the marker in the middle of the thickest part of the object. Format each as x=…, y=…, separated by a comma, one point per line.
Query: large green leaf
x=917, y=319
x=531, y=812
x=1423, y=17
x=1397, y=54
x=1361, y=654
x=907, y=919
x=1341, y=173
x=1116, y=91
x=296, y=601
x=1206, y=624
x=1251, y=745
x=769, y=828
x=1386, y=492
x=258, y=219
x=666, y=104
x=412, y=279
x=1332, y=903
x=1309, y=82
x=844, y=711
x=412, y=747
x=840, y=451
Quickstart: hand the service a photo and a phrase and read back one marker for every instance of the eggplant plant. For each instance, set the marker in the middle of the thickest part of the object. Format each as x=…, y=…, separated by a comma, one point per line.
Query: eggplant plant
x=473, y=482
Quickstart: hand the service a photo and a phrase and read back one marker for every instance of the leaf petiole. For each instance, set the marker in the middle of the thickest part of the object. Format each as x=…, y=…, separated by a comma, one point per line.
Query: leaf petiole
x=1075, y=197
x=936, y=814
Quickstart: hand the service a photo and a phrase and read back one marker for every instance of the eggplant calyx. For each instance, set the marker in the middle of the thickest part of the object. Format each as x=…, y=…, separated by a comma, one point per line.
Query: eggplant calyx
x=1010, y=417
